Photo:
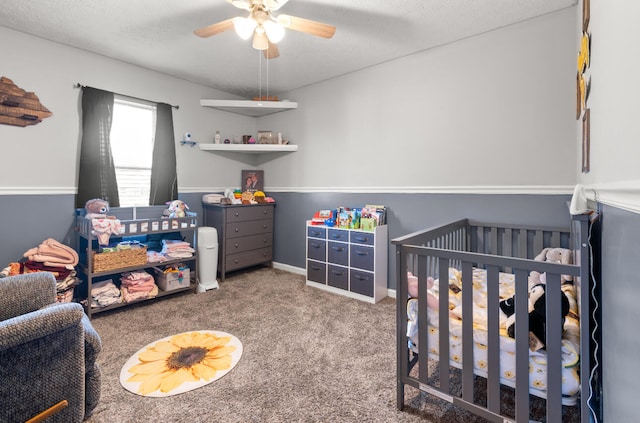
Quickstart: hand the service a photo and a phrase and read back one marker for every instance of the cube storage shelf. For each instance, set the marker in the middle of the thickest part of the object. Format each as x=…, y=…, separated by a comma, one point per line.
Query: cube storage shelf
x=350, y=262
x=135, y=222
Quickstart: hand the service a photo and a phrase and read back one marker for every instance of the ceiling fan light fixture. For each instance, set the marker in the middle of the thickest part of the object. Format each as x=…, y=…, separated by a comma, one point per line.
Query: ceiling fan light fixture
x=244, y=27
x=260, y=40
x=275, y=31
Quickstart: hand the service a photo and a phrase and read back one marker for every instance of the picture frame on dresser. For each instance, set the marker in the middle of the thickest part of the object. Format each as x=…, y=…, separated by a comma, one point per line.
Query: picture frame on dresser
x=252, y=180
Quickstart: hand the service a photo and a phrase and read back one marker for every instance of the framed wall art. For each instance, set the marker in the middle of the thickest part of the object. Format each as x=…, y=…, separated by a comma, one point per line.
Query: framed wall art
x=252, y=180
x=586, y=141
x=586, y=14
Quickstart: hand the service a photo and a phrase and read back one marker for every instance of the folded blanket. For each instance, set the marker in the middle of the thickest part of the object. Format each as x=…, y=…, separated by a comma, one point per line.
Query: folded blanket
x=53, y=253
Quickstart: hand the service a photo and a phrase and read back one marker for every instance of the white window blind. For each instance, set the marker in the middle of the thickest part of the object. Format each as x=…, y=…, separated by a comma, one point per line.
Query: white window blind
x=132, y=133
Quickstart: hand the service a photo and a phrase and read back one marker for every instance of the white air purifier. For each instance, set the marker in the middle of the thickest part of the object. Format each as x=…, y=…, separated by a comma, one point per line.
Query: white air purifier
x=207, y=259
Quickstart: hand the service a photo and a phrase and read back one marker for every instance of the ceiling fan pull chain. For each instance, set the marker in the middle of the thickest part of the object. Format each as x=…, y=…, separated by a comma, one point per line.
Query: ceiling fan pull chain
x=260, y=74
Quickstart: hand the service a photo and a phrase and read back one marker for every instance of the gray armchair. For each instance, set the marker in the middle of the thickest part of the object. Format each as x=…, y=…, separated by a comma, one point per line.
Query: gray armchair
x=48, y=352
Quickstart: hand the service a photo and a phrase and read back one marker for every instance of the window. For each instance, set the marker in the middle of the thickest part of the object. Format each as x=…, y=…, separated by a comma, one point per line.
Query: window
x=132, y=138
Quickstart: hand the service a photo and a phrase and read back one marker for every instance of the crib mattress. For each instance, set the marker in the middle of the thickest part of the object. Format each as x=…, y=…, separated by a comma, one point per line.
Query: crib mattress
x=537, y=359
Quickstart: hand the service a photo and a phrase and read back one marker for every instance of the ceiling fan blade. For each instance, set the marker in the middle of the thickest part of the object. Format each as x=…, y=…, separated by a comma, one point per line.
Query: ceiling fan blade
x=275, y=4
x=241, y=4
x=272, y=52
x=318, y=29
x=214, y=29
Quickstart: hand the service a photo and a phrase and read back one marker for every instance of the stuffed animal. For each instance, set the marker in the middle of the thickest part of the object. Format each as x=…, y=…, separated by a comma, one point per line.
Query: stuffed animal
x=177, y=208
x=97, y=208
x=537, y=316
x=556, y=255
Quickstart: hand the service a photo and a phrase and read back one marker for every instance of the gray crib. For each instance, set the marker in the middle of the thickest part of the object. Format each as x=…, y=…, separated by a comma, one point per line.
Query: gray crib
x=467, y=245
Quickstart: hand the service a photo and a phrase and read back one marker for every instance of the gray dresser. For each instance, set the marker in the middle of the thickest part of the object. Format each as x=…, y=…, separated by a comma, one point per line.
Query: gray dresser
x=348, y=261
x=245, y=234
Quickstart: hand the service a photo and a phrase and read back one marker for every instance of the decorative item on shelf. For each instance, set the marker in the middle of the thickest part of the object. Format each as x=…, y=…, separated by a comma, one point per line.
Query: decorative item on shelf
x=266, y=98
x=18, y=107
x=265, y=137
x=118, y=257
x=216, y=139
x=186, y=140
x=246, y=138
x=252, y=140
x=226, y=141
x=177, y=208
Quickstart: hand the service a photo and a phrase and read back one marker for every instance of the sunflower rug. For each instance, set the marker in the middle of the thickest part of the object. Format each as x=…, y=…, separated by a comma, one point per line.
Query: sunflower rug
x=180, y=363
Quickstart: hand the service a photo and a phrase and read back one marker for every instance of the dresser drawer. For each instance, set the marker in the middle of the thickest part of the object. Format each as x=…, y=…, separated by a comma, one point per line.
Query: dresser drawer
x=316, y=272
x=361, y=257
x=240, y=214
x=338, y=277
x=362, y=282
x=316, y=232
x=338, y=235
x=248, y=258
x=236, y=229
x=246, y=243
x=339, y=253
x=367, y=238
x=316, y=249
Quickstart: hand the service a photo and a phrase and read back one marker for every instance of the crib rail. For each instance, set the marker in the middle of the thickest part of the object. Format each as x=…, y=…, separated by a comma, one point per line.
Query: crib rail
x=466, y=244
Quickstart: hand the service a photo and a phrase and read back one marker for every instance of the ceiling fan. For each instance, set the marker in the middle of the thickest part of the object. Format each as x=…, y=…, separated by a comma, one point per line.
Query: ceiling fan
x=265, y=28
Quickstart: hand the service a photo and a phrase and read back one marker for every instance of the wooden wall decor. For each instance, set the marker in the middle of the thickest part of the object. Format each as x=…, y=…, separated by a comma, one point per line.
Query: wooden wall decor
x=583, y=85
x=18, y=107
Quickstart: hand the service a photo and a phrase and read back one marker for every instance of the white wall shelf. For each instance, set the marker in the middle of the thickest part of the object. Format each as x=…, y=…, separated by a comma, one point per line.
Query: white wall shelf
x=253, y=154
x=249, y=148
x=250, y=108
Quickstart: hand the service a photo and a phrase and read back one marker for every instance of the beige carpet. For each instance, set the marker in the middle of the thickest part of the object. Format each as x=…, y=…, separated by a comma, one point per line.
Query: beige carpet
x=308, y=356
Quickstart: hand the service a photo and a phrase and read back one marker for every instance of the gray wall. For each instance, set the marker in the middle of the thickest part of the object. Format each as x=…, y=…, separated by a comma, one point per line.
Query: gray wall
x=620, y=311
x=406, y=213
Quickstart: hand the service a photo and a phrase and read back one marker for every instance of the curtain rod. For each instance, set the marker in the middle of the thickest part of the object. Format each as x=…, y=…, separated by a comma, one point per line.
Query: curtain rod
x=79, y=85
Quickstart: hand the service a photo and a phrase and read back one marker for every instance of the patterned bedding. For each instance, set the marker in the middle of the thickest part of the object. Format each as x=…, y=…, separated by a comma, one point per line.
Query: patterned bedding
x=537, y=359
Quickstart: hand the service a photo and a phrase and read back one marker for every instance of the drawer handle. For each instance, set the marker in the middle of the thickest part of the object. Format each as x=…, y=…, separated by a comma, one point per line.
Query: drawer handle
x=360, y=277
x=316, y=233
x=235, y=261
x=264, y=226
x=337, y=273
x=237, y=230
x=264, y=240
x=362, y=253
x=315, y=245
x=237, y=214
x=316, y=268
x=337, y=248
x=236, y=245
x=265, y=212
x=362, y=239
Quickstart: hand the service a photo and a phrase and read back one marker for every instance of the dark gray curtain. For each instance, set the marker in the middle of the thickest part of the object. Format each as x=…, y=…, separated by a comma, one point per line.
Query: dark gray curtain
x=97, y=174
x=164, y=180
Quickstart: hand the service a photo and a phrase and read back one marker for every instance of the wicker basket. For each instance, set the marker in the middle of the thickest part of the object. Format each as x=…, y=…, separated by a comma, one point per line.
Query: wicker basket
x=119, y=259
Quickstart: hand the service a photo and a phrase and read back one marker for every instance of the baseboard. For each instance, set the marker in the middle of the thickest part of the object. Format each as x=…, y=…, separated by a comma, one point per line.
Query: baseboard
x=301, y=271
x=289, y=268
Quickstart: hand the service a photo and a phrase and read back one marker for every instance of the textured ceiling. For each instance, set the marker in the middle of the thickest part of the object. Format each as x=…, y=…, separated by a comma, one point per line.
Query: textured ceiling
x=158, y=34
